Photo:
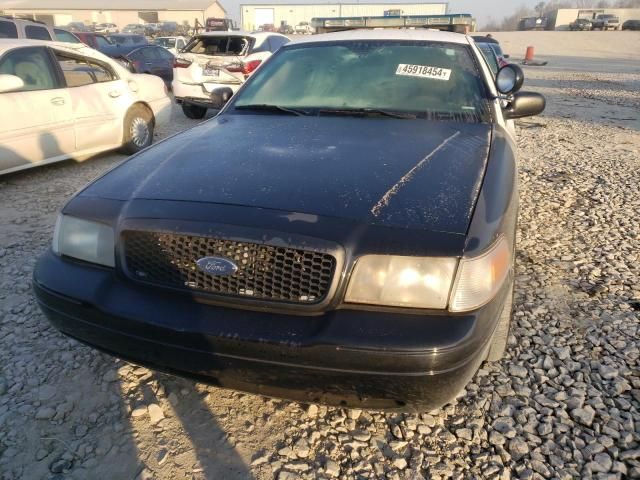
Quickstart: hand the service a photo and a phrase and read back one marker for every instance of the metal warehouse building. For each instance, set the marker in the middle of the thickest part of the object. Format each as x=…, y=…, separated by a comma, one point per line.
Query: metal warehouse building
x=120, y=12
x=254, y=15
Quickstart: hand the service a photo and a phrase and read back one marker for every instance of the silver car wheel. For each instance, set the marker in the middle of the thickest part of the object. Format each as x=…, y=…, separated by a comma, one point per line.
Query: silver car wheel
x=140, y=133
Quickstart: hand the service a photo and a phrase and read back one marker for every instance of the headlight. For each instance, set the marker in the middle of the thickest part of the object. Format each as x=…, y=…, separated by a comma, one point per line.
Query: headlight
x=479, y=278
x=416, y=282
x=89, y=241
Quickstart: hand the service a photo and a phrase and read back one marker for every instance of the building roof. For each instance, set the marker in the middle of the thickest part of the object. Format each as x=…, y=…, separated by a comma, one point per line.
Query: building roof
x=139, y=5
x=387, y=34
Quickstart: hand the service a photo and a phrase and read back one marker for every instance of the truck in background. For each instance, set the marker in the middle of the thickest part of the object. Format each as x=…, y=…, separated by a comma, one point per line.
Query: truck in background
x=218, y=25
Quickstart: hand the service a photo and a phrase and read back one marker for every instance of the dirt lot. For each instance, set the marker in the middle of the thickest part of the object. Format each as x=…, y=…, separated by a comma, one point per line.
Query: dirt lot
x=564, y=404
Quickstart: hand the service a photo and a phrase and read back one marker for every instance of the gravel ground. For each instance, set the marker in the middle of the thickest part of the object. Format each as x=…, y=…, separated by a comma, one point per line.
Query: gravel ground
x=565, y=403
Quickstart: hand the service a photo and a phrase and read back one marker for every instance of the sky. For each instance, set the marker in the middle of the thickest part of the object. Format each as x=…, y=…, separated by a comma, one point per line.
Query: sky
x=485, y=10
x=482, y=10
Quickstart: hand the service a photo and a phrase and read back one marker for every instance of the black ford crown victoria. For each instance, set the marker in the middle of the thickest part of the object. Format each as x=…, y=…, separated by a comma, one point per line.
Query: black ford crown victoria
x=342, y=232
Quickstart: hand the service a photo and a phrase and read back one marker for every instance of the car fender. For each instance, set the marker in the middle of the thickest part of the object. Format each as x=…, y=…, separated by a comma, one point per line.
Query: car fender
x=496, y=210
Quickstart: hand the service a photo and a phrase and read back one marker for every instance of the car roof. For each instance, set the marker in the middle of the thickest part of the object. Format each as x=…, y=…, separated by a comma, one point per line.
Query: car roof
x=237, y=33
x=23, y=20
x=483, y=39
x=10, y=43
x=387, y=34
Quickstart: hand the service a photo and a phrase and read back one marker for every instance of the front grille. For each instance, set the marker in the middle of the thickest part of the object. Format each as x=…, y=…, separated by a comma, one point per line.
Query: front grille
x=264, y=272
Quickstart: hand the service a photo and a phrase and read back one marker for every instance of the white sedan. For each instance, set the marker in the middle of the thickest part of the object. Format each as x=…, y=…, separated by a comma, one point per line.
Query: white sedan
x=218, y=59
x=61, y=100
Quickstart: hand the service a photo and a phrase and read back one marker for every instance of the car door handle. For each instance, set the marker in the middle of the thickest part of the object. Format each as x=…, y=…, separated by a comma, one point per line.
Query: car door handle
x=57, y=101
x=115, y=94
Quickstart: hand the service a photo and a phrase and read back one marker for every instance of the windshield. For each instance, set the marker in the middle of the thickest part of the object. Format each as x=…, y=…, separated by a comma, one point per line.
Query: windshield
x=427, y=79
x=219, y=45
x=165, y=42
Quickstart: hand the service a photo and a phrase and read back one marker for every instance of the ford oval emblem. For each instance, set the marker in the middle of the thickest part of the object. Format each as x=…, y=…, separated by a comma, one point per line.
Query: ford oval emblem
x=218, y=266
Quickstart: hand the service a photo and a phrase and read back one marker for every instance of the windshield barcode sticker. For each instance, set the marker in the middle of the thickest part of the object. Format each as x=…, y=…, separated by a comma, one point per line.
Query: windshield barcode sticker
x=423, y=71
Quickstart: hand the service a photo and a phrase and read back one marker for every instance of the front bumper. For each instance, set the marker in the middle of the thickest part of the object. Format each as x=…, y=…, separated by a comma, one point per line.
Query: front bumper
x=350, y=358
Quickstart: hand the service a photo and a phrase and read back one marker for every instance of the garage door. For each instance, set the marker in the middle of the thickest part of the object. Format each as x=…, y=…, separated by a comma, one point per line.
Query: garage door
x=264, y=16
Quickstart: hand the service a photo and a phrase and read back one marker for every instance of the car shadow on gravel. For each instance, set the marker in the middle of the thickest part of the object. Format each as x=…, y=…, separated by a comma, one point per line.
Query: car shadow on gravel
x=210, y=454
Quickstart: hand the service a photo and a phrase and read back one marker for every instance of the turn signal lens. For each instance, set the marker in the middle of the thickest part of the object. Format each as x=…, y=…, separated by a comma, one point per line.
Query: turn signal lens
x=415, y=282
x=480, y=278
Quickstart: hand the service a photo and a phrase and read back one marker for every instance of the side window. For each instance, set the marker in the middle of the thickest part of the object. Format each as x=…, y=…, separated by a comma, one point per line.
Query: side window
x=150, y=54
x=102, y=73
x=8, y=30
x=64, y=36
x=180, y=44
x=135, y=56
x=32, y=65
x=80, y=71
x=164, y=54
x=102, y=42
x=37, y=33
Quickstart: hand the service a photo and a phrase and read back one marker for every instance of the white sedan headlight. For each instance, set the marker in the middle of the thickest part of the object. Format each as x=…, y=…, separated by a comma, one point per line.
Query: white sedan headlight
x=428, y=282
x=415, y=282
x=85, y=240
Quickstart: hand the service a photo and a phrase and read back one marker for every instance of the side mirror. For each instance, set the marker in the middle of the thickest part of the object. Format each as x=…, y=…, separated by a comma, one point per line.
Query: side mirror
x=10, y=83
x=524, y=104
x=506, y=56
x=220, y=96
x=509, y=79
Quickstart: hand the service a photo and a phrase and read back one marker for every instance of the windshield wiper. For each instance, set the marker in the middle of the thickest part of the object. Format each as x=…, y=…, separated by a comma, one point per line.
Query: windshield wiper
x=272, y=108
x=366, y=111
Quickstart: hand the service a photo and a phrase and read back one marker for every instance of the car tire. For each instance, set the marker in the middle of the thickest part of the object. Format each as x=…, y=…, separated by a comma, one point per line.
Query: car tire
x=501, y=335
x=194, y=111
x=138, y=129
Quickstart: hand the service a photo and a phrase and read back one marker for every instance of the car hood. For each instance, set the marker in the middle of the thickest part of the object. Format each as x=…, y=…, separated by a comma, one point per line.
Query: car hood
x=404, y=173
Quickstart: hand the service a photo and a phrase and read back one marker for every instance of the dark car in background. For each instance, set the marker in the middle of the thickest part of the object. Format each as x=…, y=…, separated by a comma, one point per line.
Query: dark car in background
x=631, y=25
x=96, y=41
x=581, y=24
x=153, y=60
x=488, y=42
x=490, y=56
x=123, y=43
x=343, y=231
x=117, y=45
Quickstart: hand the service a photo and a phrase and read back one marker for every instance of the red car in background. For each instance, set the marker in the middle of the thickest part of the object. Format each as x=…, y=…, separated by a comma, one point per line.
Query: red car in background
x=94, y=40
